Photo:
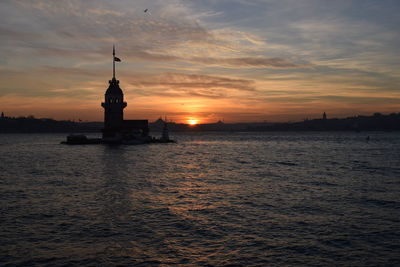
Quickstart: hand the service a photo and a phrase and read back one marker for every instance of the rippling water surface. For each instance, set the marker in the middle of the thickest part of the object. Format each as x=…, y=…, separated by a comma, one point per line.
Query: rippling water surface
x=249, y=199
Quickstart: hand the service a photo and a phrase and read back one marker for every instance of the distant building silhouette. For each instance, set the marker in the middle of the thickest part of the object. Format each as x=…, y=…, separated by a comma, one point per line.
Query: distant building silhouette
x=159, y=121
x=2, y=115
x=324, y=116
x=116, y=128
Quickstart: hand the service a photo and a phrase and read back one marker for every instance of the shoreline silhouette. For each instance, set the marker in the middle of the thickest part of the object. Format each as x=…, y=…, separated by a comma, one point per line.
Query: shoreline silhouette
x=375, y=122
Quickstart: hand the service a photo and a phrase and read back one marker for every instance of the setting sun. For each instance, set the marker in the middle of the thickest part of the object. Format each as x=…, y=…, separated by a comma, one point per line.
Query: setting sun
x=192, y=121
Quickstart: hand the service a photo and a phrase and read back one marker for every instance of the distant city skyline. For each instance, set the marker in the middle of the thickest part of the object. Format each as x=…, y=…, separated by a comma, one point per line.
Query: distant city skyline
x=201, y=61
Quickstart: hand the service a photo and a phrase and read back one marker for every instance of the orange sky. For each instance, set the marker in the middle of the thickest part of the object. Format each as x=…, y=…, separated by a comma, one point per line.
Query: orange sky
x=237, y=61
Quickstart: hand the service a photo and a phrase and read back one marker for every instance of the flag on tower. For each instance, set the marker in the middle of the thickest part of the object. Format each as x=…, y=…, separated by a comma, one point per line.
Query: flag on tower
x=117, y=59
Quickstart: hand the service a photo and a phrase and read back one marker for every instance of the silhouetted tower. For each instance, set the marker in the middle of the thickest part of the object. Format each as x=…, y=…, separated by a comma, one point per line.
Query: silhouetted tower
x=113, y=105
x=324, y=116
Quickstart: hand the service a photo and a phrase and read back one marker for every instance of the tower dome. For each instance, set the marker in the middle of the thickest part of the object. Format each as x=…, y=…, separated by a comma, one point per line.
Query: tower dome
x=113, y=88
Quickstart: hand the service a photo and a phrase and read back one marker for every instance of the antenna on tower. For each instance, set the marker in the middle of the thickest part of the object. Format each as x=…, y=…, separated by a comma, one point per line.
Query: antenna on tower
x=113, y=61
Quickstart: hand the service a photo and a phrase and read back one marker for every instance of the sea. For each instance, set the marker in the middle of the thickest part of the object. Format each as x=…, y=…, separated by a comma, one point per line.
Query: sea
x=211, y=199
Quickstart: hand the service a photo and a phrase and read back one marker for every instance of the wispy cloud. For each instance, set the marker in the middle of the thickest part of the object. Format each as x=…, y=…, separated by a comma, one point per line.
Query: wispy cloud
x=190, y=85
x=161, y=36
x=245, y=62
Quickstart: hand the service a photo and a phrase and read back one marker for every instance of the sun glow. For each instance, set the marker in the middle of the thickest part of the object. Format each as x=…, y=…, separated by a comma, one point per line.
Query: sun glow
x=192, y=121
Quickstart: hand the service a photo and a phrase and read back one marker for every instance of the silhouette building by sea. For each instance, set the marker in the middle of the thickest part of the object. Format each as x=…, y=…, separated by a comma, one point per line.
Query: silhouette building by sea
x=116, y=129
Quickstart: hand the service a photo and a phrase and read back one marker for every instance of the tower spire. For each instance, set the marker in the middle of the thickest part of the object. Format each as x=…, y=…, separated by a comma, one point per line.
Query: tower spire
x=113, y=62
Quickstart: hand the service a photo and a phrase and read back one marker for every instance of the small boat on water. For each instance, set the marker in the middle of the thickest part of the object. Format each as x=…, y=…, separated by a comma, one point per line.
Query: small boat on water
x=165, y=135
